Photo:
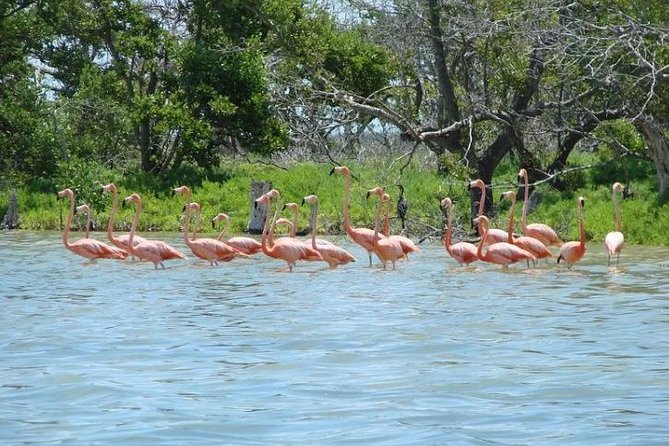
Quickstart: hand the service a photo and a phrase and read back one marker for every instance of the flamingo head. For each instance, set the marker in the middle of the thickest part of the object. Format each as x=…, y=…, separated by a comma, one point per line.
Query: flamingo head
x=219, y=217
x=378, y=191
x=508, y=195
x=273, y=194
x=385, y=197
x=311, y=199
x=263, y=199
x=522, y=175
x=182, y=190
x=343, y=170
x=446, y=203
x=283, y=221
x=66, y=193
x=111, y=187
x=482, y=221
x=617, y=187
x=293, y=207
x=84, y=209
x=581, y=202
x=193, y=206
x=479, y=184
x=133, y=198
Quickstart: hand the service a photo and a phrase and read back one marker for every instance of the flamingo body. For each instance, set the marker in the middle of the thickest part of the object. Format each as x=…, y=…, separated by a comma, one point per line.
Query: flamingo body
x=87, y=247
x=572, y=252
x=462, y=252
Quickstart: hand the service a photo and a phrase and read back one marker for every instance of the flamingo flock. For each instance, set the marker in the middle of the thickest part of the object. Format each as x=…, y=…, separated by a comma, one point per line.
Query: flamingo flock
x=496, y=246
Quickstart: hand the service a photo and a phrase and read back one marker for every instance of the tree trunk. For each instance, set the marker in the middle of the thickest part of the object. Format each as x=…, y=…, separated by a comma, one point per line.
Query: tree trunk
x=257, y=213
x=658, y=149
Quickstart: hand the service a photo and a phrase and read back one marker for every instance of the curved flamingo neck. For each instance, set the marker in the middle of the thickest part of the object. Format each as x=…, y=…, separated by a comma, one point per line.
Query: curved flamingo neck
x=112, y=217
x=581, y=225
x=616, y=210
x=347, y=200
x=449, y=222
x=267, y=233
x=482, y=200
x=377, y=223
x=313, y=220
x=386, y=221
x=133, y=228
x=296, y=217
x=484, y=235
x=526, y=197
x=196, y=225
x=511, y=212
x=225, y=230
x=66, y=233
x=186, y=225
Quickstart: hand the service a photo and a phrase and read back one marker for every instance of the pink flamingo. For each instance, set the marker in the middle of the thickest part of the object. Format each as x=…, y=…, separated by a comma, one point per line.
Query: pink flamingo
x=614, y=240
x=122, y=240
x=572, y=252
x=386, y=249
x=529, y=244
x=87, y=247
x=540, y=231
x=209, y=249
x=362, y=236
x=494, y=235
x=332, y=254
x=247, y=245
x=408, y=246
x=462, y=252
x=288, y=249
x=501, y=253
x=295, y=210
x=155, y=251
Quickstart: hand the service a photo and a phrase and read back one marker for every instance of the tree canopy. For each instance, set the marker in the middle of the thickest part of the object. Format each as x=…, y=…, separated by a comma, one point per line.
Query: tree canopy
x=157, y=83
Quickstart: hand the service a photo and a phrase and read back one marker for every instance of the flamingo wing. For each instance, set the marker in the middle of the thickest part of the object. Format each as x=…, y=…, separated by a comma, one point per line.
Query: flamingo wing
x=95, y=249
x=542, y=232
x=533, y=246
x=463, y=253
x=246, y=245
x=334, y=255
x=505, y=253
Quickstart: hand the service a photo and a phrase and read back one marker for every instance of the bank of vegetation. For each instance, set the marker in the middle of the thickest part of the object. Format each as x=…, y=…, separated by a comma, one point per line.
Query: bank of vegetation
x=431, y=94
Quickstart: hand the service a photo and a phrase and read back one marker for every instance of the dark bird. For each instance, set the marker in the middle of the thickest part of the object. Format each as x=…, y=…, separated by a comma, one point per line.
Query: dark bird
x=402, y=206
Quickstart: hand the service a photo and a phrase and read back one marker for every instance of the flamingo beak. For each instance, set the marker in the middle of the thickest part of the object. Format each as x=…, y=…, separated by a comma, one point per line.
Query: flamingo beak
x=469, y=186
x=368, y=194
x=332, y=171
x=520, y=180
x=213, y=224
x=303, y=201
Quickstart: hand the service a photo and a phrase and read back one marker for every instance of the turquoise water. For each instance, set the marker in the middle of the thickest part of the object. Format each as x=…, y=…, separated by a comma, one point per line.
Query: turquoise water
x=118, y=353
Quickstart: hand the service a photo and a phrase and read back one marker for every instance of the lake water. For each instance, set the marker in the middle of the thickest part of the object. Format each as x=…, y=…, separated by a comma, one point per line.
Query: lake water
x=117, y=353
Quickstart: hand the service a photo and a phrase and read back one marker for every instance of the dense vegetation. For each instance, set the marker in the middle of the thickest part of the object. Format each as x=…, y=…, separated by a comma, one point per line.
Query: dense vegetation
x=429, y=93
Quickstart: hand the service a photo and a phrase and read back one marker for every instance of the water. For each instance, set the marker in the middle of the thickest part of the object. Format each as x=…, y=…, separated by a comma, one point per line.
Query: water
x=432, y=353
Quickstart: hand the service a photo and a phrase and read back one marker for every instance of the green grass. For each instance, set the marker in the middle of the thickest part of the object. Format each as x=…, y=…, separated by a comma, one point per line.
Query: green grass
x=645, y=219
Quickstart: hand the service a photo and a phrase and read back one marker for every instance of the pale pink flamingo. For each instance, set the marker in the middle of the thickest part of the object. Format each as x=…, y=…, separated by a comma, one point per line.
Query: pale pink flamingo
x=462, y=252
x=155, y=251
x=572, y=252
x=362, y=236
x=209, y=249
x=386, y=249
x=87, y=247
x=246, y=245
x=540, y=231
x=494, y=235
x=408, y=246
x=500, y=253
x=332, y=254
x=614, y=240
x=122, y=240
x=529, y=244
x=287, y=249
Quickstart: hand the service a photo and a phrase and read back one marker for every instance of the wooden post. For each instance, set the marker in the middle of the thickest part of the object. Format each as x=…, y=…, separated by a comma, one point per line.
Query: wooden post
x=257, y=214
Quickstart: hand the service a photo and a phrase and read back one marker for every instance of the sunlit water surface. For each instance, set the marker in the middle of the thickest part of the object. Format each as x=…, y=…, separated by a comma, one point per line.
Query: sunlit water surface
x=117, y=353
